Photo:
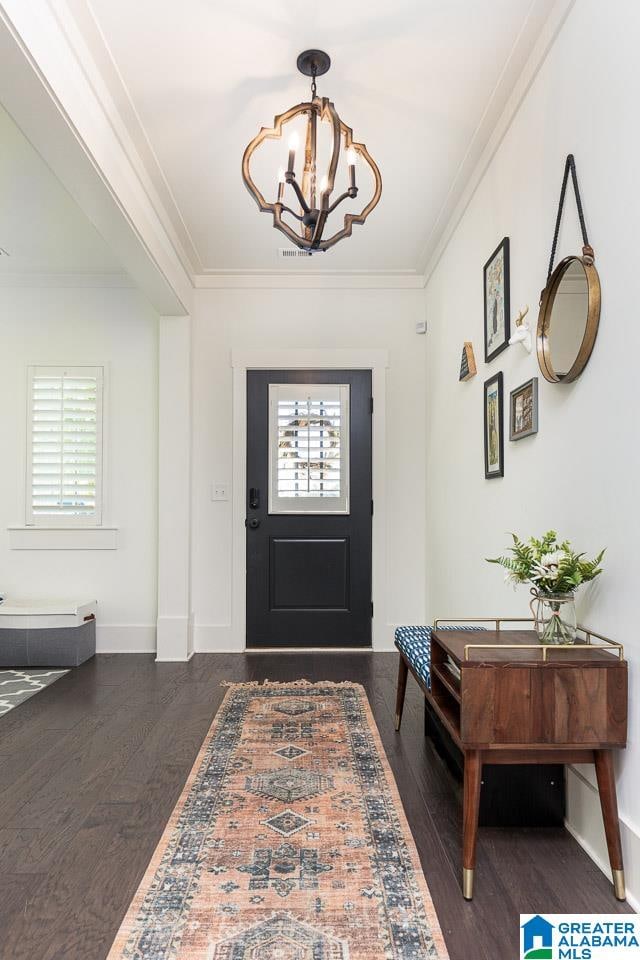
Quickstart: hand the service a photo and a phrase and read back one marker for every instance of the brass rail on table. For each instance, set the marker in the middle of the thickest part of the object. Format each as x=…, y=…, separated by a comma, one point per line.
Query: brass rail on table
x=606, y=644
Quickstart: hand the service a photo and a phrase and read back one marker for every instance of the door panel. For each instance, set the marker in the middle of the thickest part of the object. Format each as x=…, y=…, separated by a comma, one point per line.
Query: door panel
x=309, y=574
x=309, y=508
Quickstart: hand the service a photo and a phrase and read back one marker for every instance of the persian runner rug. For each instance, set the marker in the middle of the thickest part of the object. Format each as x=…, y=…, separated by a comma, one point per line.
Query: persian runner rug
x=289, y=842
x=16, y=686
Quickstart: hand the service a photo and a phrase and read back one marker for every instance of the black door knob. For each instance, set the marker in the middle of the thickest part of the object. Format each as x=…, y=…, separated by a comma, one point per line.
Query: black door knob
x=253, y=524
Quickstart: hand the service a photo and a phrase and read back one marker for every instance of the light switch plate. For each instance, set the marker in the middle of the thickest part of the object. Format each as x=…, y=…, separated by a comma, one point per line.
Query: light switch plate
x=219, y=490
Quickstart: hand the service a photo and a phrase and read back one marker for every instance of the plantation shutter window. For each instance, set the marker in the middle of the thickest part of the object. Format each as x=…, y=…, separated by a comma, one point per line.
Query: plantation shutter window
x=308, y=448
x=64, y=457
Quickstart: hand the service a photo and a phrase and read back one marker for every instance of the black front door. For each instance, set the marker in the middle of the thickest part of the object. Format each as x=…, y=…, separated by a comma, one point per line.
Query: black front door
x=309, y=508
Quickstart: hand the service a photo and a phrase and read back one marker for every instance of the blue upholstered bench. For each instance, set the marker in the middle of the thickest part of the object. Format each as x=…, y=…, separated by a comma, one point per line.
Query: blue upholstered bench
x=414, y=647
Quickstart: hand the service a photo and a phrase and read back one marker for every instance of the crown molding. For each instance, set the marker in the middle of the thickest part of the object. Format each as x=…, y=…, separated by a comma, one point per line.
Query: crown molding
x=272, y=280
x=77, y=281
x=46, y=88
x=66, y=55
x=84, y=36
x=544, y=22
x=542, y=25
x=538, y=34
x=82, y=28
x=222, y=281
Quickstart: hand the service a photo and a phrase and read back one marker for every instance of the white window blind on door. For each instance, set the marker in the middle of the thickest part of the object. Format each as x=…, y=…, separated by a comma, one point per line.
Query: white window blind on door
x=308, y=448
x=64, y=457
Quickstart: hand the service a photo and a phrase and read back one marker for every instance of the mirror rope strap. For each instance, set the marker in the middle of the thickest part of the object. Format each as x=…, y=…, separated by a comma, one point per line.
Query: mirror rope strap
x=570, y=165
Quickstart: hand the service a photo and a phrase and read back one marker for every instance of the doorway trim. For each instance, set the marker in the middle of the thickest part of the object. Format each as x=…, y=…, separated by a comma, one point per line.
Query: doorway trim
x=375, y=360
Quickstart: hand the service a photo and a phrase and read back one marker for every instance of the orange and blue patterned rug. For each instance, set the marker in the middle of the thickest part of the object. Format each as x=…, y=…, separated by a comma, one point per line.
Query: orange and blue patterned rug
x=289, y=842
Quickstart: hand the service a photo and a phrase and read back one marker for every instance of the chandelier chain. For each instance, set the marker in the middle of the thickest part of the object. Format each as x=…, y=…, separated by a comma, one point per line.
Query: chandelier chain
x=314, y=73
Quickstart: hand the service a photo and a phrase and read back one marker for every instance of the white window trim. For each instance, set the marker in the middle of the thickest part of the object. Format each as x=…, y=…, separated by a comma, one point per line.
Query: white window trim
x=333, y=506
x=63, y=538
x=51, y=521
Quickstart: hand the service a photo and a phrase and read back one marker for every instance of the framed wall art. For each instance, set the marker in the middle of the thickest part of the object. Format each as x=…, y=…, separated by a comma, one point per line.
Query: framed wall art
x=493, y=428
x=497, y=327
x=523, y=410
x=467, y=362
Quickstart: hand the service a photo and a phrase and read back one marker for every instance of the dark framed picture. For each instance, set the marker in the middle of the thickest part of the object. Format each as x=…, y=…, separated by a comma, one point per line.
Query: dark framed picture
x=497, y=327
x=523, y=410
x=493, y=428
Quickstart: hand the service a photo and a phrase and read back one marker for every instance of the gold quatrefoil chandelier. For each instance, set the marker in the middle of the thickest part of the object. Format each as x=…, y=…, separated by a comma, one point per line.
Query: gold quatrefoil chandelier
x=322, y=130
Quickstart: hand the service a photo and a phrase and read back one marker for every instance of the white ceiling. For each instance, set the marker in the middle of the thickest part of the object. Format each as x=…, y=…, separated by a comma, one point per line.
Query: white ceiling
x=42, y=229
x=417, y=80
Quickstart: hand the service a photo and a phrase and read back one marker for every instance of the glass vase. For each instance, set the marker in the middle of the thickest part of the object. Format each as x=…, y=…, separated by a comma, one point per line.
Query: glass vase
x=555, y=617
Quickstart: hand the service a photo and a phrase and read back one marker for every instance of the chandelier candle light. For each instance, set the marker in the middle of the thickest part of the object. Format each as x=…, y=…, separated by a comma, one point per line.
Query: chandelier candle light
x=310, y=195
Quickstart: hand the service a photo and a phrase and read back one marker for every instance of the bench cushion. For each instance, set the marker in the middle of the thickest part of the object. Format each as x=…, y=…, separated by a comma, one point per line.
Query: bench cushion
x=415, y=644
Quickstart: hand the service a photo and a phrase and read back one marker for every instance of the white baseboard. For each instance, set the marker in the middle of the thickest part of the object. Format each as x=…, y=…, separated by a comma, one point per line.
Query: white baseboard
x=216, y=638
x=383, y=638
x=174, y=638
x=176, y=659
x=584, y=822
x=385, y=643
x=125, y=638
x=207, y=638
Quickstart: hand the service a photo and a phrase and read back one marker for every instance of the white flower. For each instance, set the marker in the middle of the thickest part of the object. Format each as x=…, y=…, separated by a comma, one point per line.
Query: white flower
x=552, y=559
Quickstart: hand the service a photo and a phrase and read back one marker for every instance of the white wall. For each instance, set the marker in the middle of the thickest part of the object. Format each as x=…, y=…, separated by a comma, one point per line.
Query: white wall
x=226, y=320
x=115, y=327
x=579, y=475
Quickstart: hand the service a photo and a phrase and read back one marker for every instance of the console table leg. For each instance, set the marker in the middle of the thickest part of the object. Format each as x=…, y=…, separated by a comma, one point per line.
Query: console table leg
x=471, y=807
x=609, y=805
x=403, y=670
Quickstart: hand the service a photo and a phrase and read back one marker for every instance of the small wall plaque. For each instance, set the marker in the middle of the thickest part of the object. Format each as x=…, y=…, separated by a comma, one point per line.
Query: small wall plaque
x=468, y=362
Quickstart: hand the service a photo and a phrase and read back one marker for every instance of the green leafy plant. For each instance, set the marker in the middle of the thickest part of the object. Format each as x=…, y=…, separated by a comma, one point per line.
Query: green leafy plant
x=550, y=566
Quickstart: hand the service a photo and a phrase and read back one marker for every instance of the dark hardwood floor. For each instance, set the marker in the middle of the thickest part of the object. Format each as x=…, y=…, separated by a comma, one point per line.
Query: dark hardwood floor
x=92, y=767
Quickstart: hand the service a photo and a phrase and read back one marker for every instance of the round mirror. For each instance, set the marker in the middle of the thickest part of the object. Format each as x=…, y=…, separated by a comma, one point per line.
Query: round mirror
x=568, y=319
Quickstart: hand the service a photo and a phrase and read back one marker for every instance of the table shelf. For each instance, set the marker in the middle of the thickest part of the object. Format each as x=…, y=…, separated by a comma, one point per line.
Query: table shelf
x=447, y=678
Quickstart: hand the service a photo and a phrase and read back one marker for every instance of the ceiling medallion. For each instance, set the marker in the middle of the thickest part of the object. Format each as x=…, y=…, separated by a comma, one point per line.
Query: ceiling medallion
x=312, y=190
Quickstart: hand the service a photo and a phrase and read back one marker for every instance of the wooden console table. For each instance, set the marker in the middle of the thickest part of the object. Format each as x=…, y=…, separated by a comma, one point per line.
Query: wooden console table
x=512, y=700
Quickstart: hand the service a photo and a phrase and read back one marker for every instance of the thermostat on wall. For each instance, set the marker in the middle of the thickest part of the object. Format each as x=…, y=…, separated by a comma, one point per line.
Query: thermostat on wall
x=421, y=326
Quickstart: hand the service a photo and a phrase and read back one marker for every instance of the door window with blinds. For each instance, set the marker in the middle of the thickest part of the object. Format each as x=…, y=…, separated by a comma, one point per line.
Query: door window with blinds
x=64, y=456
x=308, y=448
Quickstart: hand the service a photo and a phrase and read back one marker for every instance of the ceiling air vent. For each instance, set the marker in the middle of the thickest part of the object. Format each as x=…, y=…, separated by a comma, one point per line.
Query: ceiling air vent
x=292, y=253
